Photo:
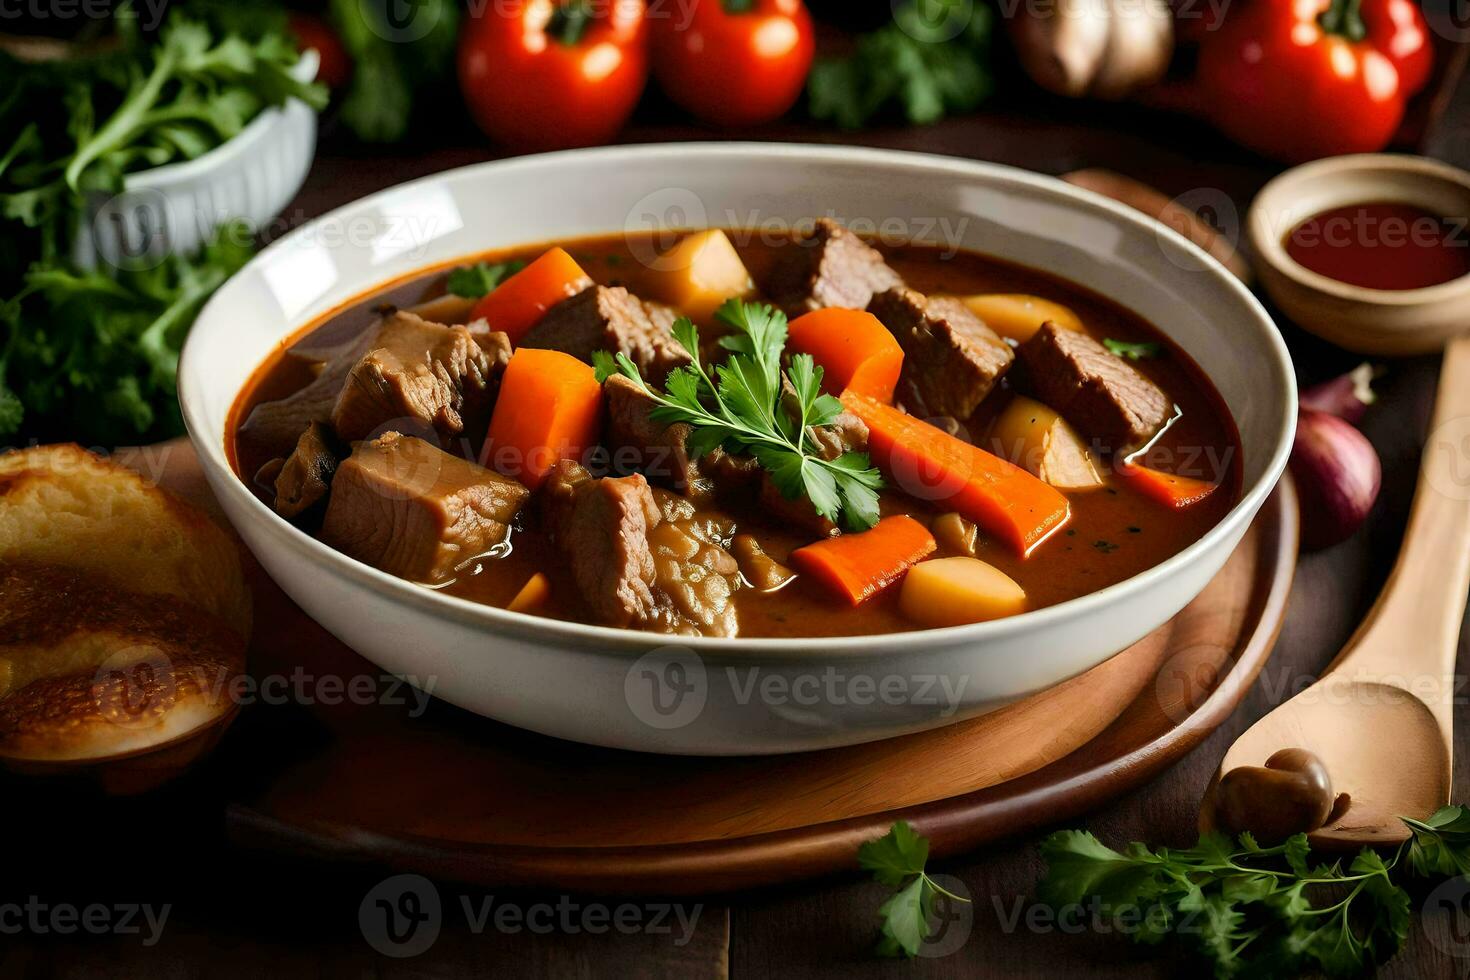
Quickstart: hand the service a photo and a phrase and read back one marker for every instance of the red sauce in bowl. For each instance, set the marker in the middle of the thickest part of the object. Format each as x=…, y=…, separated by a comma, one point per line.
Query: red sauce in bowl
x=1382, y=246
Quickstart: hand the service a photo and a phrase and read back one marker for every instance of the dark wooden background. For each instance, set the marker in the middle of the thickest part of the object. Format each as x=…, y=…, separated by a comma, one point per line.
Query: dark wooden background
x=235, y=912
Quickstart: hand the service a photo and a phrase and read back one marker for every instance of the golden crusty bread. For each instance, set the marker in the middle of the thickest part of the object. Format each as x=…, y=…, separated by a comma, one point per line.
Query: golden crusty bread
x=65, y=506
x=124, y=614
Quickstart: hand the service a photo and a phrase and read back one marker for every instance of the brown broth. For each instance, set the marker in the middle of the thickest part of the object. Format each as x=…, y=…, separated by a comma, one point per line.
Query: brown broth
x=1114, y=533
x=1381, y=246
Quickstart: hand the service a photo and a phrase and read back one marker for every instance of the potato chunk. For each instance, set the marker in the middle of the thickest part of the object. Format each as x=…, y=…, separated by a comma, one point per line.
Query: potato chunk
x=1017, y=315
x=957, y=591
x=700, y=273
x=1039, y=440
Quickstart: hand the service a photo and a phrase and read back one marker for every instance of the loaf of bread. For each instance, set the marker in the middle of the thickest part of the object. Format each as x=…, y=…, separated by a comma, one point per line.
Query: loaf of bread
x=124, y=614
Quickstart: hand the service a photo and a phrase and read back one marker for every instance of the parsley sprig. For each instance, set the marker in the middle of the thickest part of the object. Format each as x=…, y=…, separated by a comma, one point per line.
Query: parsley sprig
x=482, y=278
x=933, y=60
x=897, y=860
x=1143, y=350
x=744, y=405
x=1259, y=911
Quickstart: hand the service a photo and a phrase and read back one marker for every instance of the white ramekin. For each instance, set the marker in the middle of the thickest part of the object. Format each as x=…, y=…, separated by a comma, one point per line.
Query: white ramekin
x=173, y=209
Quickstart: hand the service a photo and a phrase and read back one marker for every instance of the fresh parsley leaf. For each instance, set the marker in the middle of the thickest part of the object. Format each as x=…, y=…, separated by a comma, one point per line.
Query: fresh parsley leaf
x=897, y=860
x=906, y=919
x=1141, y=351
x=896, y=855
x=481, y=279
x=1258, y=911
x=750, y=406
x=1440, y=846
x=91, y=354
x=604, y=365
x=932, y=61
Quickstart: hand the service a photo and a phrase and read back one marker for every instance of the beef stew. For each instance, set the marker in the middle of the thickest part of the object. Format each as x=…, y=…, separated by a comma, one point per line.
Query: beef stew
x=1016, y=457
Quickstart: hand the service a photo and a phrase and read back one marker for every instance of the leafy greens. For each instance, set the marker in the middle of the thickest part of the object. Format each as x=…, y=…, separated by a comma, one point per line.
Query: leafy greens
x=930, y=62
x=90, y=353
x=1259, y=911
x=480, y=279
x=748, y=404
x=897, y=860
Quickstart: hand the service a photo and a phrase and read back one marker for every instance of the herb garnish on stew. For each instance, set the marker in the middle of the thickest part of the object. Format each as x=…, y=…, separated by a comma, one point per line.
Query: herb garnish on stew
x=745, y=408
x=1141, y=351
x=480, y=279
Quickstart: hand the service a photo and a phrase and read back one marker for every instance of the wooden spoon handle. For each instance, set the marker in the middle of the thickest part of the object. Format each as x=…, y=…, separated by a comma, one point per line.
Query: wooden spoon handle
x=1413, y=631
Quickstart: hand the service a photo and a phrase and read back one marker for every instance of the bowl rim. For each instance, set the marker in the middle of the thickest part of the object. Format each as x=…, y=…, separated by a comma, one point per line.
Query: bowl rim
x=1269, y=251
x=304, y=547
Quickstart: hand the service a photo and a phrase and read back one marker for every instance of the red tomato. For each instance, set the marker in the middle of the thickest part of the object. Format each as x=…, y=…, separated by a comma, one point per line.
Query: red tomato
x=313, y=32
x=1301, y=79
x=1404, y=39
x=548, y=74
x=733, y=62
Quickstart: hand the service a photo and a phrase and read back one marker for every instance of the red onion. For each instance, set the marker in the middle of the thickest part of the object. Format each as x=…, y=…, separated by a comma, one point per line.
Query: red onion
x=1337, y=477
x=1347, y=397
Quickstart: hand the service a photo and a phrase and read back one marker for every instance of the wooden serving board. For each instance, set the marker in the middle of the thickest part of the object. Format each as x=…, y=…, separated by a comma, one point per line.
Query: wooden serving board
x=453, y=795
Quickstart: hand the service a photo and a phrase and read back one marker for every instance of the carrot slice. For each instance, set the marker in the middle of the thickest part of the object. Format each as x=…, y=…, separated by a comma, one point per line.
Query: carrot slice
x=517, y=304
x=859, y=566
x=549, y=409
x=1174, y=492
x=856, y=352
x=934, y=466
x=536, y=591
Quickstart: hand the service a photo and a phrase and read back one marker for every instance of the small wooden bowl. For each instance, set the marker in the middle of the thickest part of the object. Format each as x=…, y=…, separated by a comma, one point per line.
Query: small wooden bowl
x=1368, y=321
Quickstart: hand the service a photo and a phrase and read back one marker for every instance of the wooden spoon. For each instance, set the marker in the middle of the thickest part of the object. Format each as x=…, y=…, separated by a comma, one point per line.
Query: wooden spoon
x=1380, y=717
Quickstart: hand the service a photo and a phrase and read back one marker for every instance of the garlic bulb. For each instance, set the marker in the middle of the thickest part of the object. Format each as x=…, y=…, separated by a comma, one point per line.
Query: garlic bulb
x=1105, y=49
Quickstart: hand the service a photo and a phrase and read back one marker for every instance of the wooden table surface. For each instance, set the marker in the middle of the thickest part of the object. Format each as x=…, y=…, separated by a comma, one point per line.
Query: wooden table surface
x=233, y=912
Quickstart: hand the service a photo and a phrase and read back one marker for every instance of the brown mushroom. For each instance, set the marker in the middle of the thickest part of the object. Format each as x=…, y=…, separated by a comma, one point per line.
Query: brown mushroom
x=1291, y=794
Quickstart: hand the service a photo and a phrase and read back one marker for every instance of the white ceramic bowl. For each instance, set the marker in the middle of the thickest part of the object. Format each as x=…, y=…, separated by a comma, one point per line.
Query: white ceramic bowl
x=175, y=208
x=647, y=692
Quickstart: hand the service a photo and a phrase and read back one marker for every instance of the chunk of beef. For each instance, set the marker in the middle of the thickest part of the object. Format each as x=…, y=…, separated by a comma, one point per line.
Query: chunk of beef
x=1094, y=389
x=695, y=579
x=829, y=267
x=274, y=426
x=636, y=442
x=417, y=372
x=846, y=434
x=494, y=343
x=951, y=359
x=632, y=565
x=306, y=476
x=611, y=318
x=410, y=509
x=602, y=526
